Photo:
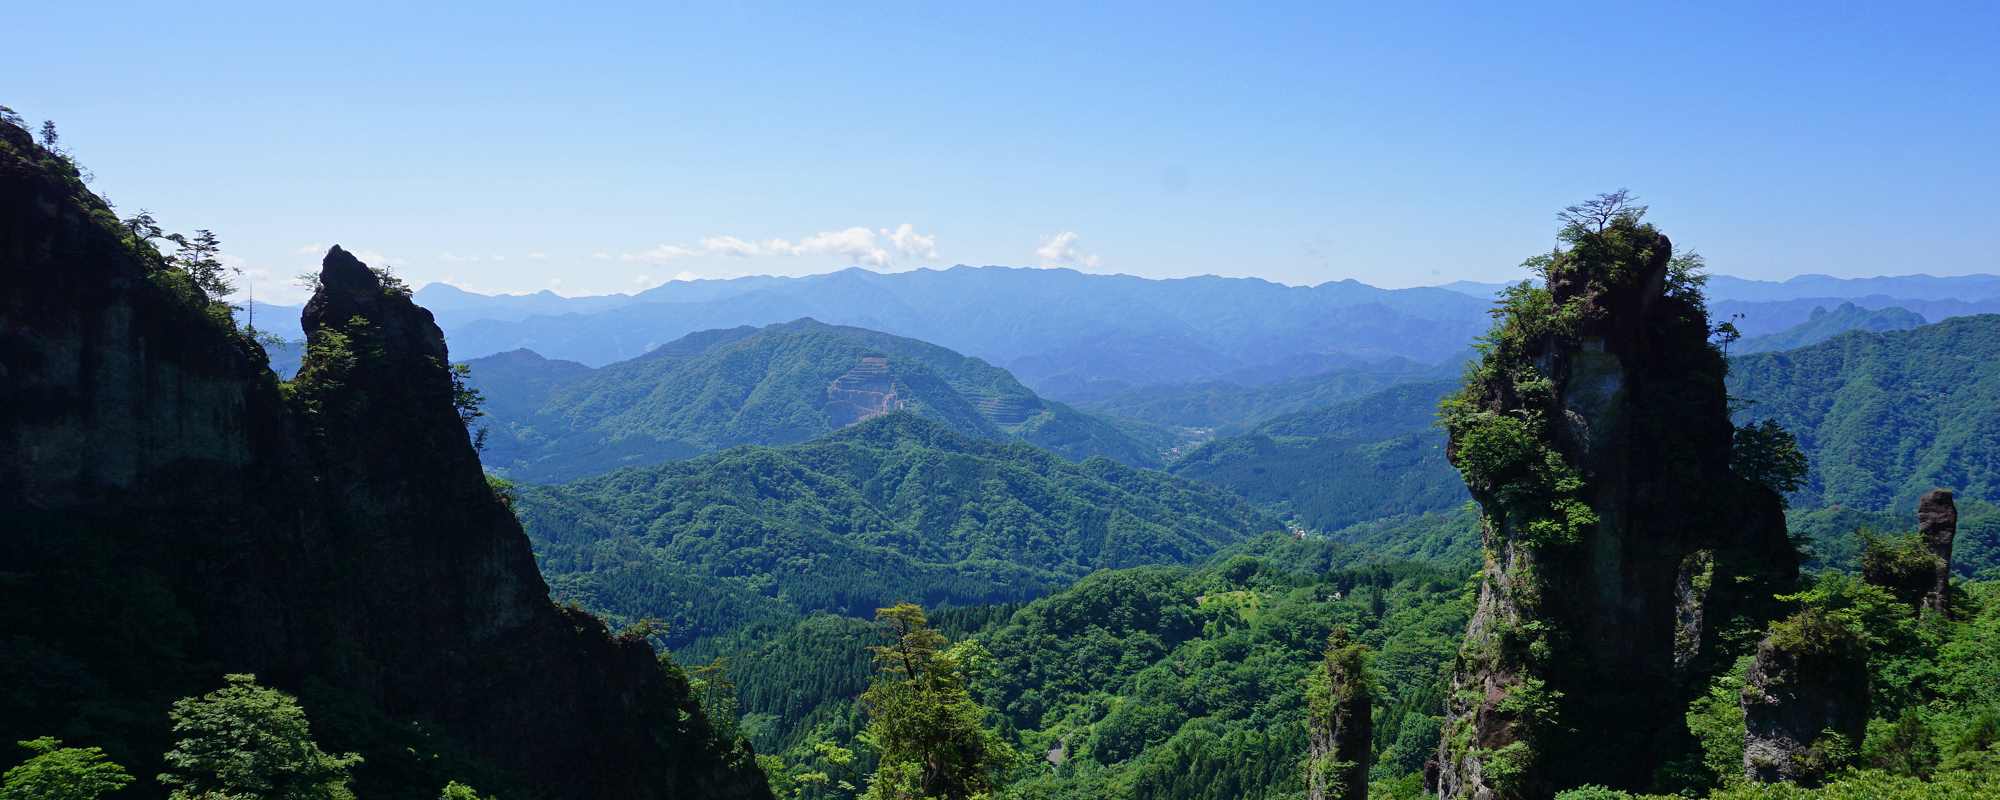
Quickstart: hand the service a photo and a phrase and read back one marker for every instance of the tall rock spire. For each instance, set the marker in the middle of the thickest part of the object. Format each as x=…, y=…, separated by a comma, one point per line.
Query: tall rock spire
x=1595, y=435
x=1937, y=523
x=171, y=512
x=1340, y=726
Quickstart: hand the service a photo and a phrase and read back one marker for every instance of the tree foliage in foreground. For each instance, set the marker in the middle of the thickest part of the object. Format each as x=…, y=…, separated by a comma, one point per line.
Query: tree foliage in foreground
x=931, y=737
x=249, y=741
x=56, y=772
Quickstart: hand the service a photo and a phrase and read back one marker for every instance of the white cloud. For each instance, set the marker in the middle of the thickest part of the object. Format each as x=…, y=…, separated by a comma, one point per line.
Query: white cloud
x=537, y=256
x=454, y=258
x=731, y=246
x=1060, y=249
x=313, y=249
x=910, y=243
x=685, y=275
x=601, y=256
x=856, y=243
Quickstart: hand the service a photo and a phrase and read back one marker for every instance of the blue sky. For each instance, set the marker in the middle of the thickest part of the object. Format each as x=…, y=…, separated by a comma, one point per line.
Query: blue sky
x=527, y=146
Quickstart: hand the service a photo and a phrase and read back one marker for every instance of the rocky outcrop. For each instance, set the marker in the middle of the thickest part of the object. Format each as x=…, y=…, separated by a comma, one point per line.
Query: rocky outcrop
x=1620, y=547
x=1340, y=727
x=866, y=391
x=1916, y=567
x=1805, y=700
x=1937, y=523
x=170, y=512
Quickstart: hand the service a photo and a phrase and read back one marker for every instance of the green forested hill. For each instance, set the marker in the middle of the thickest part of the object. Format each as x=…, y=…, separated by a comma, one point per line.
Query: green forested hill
x=1883, y=417
x=896, y=508
x=1374, y=456
x=779, y=384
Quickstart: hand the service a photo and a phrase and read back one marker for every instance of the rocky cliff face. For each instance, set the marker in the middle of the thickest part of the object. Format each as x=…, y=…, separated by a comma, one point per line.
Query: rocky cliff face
x=1622, y=553
x=170, y=512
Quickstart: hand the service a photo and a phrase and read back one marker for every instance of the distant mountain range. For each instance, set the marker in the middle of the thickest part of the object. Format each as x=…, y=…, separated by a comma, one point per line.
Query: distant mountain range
x=1762, y=308
x=1823, y=325
x=1068, y=334
x=1724, y=288
x=1084, y=338
x=552, y=420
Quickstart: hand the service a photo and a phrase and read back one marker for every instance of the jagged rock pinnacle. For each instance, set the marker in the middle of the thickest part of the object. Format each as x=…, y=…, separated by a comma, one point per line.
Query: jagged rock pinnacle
x=1937, y=522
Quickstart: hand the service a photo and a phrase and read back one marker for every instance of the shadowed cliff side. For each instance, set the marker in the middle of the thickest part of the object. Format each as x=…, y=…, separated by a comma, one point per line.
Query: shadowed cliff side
x=1625, y=561
x=170, y=512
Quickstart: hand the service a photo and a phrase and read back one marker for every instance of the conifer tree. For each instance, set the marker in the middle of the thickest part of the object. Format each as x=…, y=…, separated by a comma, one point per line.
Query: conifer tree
x=198, y=257
x=922, y=720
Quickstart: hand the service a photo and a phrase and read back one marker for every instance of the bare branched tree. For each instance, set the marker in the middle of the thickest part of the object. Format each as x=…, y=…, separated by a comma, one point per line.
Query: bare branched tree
x=1596, y=214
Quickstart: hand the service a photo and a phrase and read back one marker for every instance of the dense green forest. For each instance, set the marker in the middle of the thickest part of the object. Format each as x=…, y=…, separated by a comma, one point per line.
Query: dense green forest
x=781, y=384
x=1188, y=682
x=1167, y=681
x=895, y=508
x=1883, y=417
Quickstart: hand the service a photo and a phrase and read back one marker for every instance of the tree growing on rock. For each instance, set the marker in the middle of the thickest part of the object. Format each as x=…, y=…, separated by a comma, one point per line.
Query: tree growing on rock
x=199, y=258
x=1621, y=543
x=1339, y=722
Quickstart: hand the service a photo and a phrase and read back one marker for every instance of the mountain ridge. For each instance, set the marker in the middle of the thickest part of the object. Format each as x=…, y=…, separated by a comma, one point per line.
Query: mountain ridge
x=778, y=384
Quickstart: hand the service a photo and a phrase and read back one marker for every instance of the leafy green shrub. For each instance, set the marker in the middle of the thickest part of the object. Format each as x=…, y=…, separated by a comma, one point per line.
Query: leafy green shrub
x=55, y=772
x=245, y=740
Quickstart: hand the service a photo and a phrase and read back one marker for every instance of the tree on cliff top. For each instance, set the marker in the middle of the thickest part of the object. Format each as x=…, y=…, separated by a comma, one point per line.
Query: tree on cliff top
x=1598, y=213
